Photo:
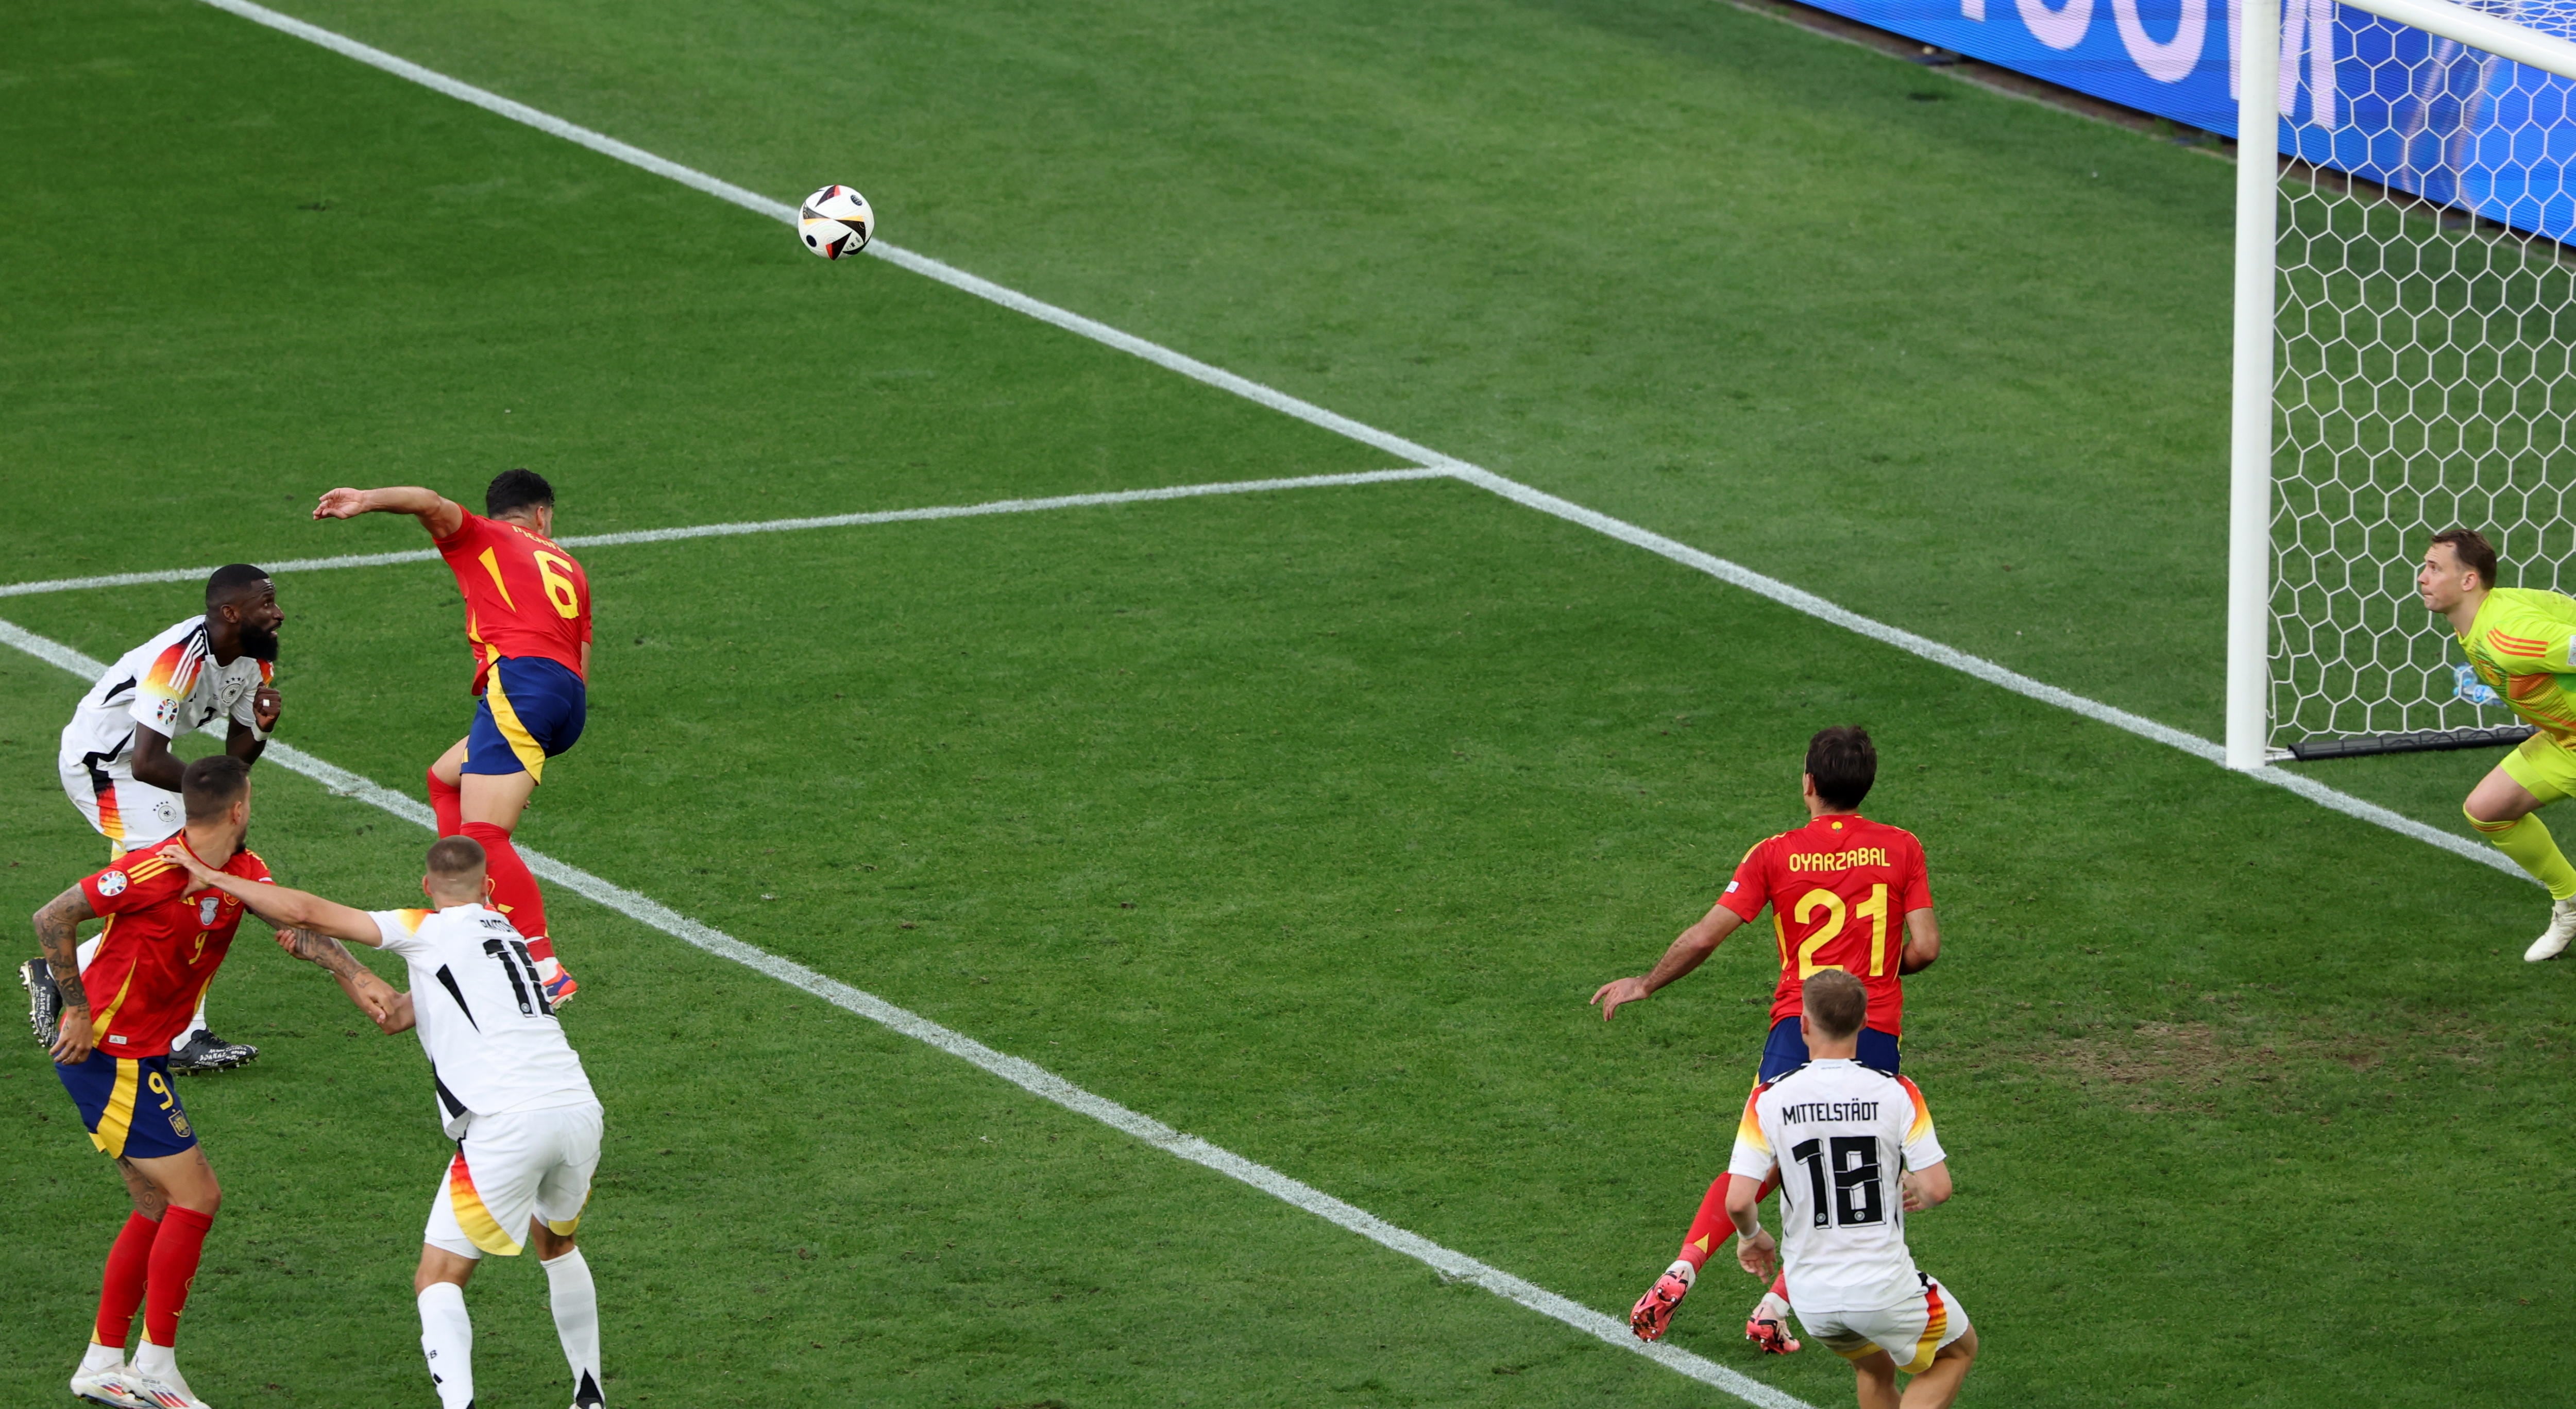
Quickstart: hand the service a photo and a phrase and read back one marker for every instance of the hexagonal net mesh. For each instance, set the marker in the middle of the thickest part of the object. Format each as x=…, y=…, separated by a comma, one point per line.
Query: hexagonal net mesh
x=2426, y=370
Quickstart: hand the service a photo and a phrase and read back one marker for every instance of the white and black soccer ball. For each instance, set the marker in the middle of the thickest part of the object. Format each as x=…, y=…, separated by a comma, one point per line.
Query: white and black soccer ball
x=836, y=221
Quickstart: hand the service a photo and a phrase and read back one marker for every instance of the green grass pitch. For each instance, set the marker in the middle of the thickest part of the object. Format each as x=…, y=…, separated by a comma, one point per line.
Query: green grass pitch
x=1302, y=821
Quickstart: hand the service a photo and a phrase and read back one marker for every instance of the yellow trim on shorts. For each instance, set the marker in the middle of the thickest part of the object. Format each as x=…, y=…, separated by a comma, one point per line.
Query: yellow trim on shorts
x=531, y=756
x=2543, y=767
x=117, y=1121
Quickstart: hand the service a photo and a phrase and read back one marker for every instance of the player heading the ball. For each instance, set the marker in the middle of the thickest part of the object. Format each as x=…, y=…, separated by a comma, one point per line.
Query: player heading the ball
x=510, y=1091
x=527, y=618
x=1853, y=1151
x=2518, y=641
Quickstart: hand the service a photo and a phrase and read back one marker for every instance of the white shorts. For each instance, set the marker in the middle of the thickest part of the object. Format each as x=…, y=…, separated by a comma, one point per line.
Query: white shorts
x=511, y=1170
x=129, y=814
x=1910, y=1331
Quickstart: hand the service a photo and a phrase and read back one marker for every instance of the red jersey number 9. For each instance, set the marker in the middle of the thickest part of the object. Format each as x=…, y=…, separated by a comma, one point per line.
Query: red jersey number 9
x=559, y=588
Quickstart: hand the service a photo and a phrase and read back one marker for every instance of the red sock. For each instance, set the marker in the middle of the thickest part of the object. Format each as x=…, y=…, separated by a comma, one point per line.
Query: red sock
x=1711, y=1229
x=1780, y=1285
x=448, y=801
x=175, y=1250
x=514, y=890
x=128, y=1263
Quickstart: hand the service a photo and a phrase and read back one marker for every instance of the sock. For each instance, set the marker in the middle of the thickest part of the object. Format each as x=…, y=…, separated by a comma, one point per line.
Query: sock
x=102, y=1357
x=2526, y=839
x=128, y=1264
x=447, y=1338
x=175, y=1251
x=161, y=1362
x=1780, y=1286
x=514, y=890
x=447, y=800
x=1710, y=1230
x=88, y=950
x=576, y=1304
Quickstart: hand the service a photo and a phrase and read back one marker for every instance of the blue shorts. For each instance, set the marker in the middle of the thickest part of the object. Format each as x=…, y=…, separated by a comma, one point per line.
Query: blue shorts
x=129, y=1106
x=532, y=709
x=1786, y=1051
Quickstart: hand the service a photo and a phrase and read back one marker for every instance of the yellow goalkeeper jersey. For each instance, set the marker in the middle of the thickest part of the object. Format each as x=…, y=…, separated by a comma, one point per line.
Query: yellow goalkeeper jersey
x=2519, y=644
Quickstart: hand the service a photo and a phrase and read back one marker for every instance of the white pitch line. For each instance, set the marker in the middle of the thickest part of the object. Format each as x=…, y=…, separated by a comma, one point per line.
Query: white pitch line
x=1309, y=412
x=730, y=530
x=1027, y=1075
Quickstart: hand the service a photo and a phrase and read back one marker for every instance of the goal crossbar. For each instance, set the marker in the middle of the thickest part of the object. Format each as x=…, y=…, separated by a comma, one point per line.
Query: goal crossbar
x=2251, y=485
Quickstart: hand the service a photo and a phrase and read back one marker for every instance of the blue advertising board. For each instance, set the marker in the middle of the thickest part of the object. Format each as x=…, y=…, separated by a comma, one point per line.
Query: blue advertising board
x=2390, y=103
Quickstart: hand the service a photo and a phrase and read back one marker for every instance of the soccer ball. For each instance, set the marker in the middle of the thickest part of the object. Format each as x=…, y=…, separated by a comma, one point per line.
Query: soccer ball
x=836, y=221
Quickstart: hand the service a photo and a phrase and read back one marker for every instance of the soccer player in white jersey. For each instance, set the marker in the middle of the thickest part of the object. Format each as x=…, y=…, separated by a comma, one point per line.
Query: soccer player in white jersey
x=511, y=1092
x=118, y=769
x=1854, y=1151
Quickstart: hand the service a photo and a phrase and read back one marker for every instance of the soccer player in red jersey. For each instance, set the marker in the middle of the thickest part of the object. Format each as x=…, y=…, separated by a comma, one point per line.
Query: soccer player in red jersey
x=527, y=616
x=161, y=948
x=1845, y=893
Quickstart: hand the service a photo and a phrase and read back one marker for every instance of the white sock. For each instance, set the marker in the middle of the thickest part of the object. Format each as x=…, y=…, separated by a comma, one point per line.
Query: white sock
x=447, y=1338
x=88, y=950
x=161, y=1362
x=101, y=1357
x=576, y=1303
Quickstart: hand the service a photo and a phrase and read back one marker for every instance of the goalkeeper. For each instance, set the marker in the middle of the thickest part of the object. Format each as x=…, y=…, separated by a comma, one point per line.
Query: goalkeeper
x=2518, y=641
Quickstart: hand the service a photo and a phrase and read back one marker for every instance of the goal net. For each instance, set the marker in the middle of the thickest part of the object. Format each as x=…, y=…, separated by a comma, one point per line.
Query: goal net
x=2423, y=357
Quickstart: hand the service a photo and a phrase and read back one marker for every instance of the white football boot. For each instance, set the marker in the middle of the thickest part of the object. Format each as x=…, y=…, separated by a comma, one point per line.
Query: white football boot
x=2554, y=940
x=157, y=1393
x=113, y=1385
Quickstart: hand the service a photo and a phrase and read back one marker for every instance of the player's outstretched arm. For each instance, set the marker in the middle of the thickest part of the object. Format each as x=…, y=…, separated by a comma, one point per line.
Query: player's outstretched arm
x=440, y=515
x=284, y=908
x=1922, y=942
x=1688, y=951
x=58, y=936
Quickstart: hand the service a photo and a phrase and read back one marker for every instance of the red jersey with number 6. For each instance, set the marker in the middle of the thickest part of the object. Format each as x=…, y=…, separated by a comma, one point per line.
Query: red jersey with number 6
x=523, y=595
x=160, y=949
x=1839, y=889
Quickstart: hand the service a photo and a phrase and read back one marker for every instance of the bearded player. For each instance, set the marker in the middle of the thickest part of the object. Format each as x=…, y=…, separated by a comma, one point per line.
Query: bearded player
x=511, y=1093
x=1844, y=893
x=118, y=769
x=2517, y=640
x=527, y=617
x=111, y=1049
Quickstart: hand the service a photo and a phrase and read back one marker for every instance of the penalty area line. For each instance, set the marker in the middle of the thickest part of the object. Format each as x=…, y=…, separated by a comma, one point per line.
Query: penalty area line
x=1796, y=598
x=1451, y=1264
x=732, y=530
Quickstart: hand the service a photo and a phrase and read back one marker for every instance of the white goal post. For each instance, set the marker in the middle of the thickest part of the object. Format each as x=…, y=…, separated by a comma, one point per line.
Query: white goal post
x=2425, y=373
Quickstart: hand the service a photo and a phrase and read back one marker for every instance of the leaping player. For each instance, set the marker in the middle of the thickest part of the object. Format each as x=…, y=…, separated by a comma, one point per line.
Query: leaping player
x=118, y=769
x=527, y=617
x=1852, y=1151
x=511, y=1093
x=2517, y=640
x=1845, y=893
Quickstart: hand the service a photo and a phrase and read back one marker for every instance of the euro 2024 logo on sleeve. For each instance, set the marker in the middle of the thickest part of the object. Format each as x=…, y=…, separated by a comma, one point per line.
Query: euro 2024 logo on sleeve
x=112, y=884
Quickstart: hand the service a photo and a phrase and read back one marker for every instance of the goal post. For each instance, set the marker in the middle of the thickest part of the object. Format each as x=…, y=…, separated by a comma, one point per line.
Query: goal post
x=2404, y=355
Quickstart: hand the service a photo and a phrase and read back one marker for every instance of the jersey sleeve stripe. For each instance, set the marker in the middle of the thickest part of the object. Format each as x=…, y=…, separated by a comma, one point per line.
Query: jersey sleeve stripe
x=1922, y=1122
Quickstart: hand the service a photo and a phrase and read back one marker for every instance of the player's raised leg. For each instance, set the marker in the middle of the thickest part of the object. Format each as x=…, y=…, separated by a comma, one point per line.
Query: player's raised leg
x=531, y=710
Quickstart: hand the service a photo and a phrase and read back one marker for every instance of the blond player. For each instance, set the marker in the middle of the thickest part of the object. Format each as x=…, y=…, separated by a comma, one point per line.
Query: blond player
x=511, y=1092
x=2517, y=640
x=1854, y=1152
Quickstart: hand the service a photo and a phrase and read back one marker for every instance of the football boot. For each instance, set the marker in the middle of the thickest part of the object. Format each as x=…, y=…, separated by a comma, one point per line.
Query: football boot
x=113, y=1385
x=2554, y=940
x=44, y=1000
x=1653, y=1313
x=1768, y=1326
x=204, y=1052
